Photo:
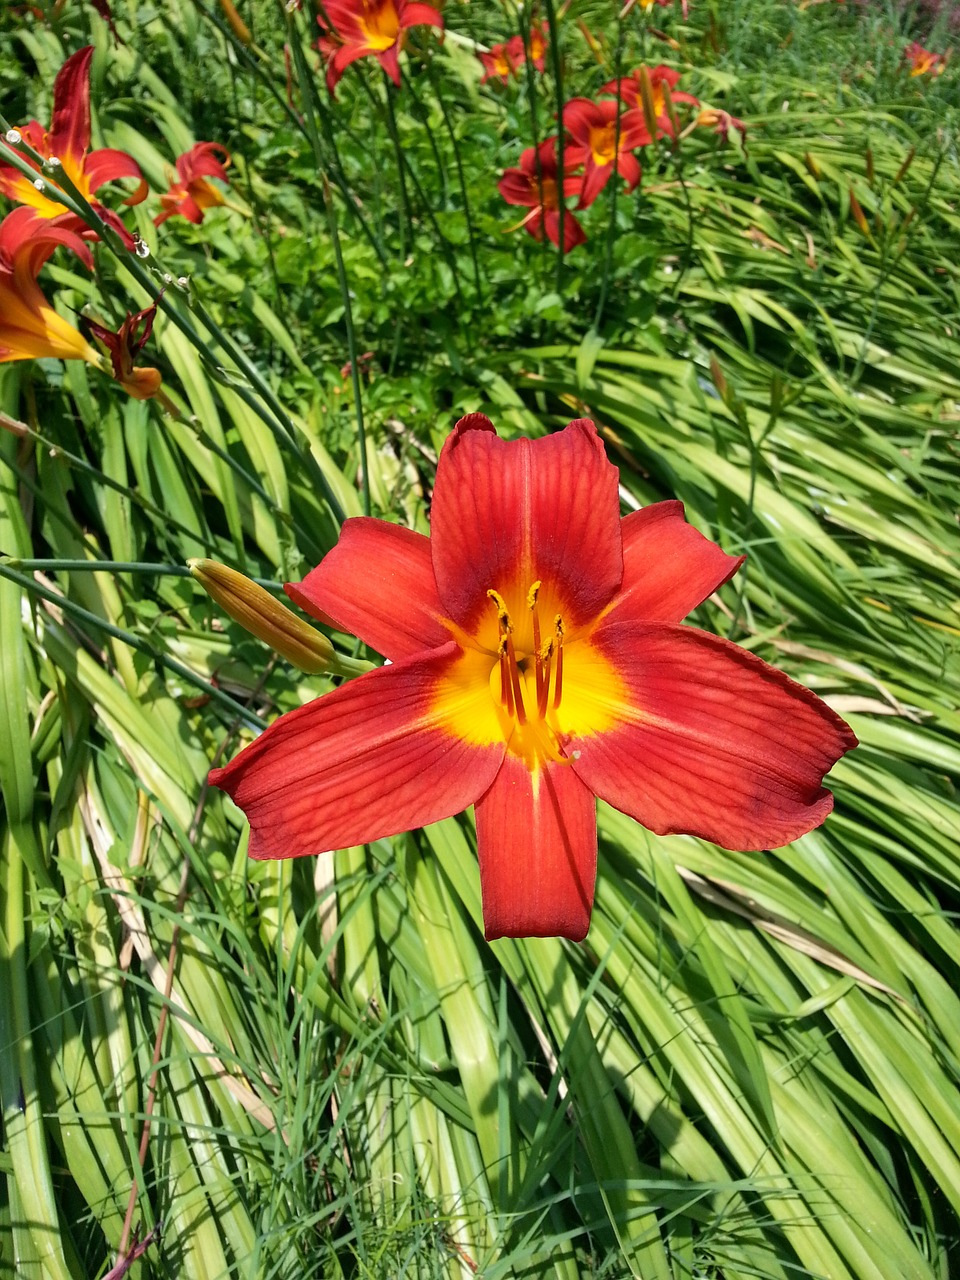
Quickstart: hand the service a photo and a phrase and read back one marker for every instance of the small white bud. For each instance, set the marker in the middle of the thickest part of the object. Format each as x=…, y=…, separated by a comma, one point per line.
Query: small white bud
x=13, y=136
x=40, y=184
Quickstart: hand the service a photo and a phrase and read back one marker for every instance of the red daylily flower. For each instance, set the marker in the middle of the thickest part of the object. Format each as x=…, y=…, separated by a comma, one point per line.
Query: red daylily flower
x=124, y=346
x=923, y=62
x=661, y=78
x=536, y=661
x=596, y=145
x=192, y=194
x=29, y=327
x=67, y=141
x=370, y=28
x=538, y=44
x=536, y=183
x=501, y=61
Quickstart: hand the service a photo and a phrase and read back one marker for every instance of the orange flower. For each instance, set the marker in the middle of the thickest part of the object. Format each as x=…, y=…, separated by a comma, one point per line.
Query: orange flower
x=501, y=61
x=923, y=62
x=31, y=329
x=192, y=193
x=537, y=184
x=67, y=143
x=663, y=79
x=594, y=129
x=370, y=28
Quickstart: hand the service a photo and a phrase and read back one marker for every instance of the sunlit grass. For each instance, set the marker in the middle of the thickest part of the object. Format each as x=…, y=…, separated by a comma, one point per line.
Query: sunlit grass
x=750, y=1068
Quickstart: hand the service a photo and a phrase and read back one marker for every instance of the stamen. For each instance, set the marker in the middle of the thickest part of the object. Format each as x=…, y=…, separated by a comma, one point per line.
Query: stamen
x=506, y=684
x=532, y=595
x=544, y=659
x=503, y=617
x=558, y=681
x=519, y=708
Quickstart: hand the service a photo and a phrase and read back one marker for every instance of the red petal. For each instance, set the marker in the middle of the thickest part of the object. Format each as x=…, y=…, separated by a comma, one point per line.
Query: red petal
x=378, y=584
x=419, y=15
x=595, y=178
x=573, y=233
x=27, y=239
x=516, y=188
x=373, y=758
x=579, y=114
x=628, y=168
x=109, y=164
x=669, y=567
x=70, y=130
x=710, y=741
x=537, y=842
x=506, y=514
x=389, y=59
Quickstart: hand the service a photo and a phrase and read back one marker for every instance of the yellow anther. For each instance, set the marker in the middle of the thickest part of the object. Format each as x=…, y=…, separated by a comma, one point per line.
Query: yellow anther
x=558, y=626
x=546, y=652
x=502, y=645
x=503, y=617
x=533, y=593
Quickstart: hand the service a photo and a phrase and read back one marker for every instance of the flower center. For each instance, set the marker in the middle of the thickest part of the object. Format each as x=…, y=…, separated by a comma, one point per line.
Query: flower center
x=381, y=26
x=603, y=144
x=546, y=192
x=529, y=686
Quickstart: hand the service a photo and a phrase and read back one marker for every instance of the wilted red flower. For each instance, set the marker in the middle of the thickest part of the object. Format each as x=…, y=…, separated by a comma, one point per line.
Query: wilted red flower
x=370, y=28
x=124, y=346
x=67, y=142
x=661, y=78
x=191, y=194
x=536, y=661
x=536, y=183
x=720, y=121
x=596, y=144
x=923, y=62
x=501, y=61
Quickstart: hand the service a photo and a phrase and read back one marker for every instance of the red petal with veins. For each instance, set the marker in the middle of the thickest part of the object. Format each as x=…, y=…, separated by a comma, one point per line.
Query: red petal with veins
x=368, y=760
x=711, y=741
x=537, y=843
x=377, y=583
x=669, y=567
x=415, y=14
x=70, y=130
x=108, y=164
x=508, y=513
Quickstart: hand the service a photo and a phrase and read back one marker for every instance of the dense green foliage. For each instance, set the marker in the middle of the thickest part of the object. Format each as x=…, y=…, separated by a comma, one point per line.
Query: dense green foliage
x=751, y=1067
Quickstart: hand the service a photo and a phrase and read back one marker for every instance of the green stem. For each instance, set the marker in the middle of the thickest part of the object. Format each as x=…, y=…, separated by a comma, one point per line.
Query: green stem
x=462, y=182
x=614, y=187
x=351, y=345
x=32, y=587
x=554, y=42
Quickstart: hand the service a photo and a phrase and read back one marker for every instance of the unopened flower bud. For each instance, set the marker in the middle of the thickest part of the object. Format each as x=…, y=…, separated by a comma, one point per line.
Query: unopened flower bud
x=258, y=612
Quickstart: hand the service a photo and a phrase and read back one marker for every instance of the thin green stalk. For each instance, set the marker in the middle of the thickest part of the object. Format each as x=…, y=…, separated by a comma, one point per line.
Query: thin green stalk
x=471, y=232
x=277, y=418
x=406, y=225
x=80, y=464
x=32, y=587
x=351, y=345
x=554, y=43
x=614, y=187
